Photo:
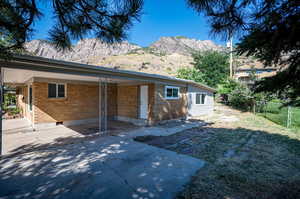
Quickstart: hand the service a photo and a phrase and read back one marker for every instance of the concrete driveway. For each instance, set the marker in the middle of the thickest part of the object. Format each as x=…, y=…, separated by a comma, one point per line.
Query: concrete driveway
x=107, y=167
x=19, y=137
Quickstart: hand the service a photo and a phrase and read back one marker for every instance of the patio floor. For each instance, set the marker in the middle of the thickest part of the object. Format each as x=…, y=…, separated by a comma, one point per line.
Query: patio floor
x=105, y=167
x=19, y=136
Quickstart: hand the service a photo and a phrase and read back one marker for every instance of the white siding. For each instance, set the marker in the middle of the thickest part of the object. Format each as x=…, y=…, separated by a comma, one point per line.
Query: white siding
x=199, y=109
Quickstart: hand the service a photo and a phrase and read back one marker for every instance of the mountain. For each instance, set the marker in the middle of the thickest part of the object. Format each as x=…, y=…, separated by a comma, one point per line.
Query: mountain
x=183, y=45
x=84, y=51
x=164, y=56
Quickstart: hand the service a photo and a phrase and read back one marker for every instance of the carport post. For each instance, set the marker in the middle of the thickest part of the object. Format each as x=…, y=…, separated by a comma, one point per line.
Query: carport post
x=1, y=106
x=102, y=106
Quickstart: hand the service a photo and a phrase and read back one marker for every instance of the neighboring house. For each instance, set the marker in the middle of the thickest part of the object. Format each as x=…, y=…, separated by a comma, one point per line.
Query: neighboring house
x=52, y=92
x=248, y=74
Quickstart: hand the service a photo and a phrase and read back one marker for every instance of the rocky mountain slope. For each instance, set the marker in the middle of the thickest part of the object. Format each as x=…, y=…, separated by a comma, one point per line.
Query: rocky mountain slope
x=82, y=52
x=164, y=56
x=183, y=45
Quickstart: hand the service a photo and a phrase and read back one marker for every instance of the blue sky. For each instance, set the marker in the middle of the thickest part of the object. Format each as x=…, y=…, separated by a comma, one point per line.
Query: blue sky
x=160, y=18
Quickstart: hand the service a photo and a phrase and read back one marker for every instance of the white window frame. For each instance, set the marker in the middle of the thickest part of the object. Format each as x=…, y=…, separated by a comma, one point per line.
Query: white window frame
x=56, y=90
x=172, y=87
x=205, y=99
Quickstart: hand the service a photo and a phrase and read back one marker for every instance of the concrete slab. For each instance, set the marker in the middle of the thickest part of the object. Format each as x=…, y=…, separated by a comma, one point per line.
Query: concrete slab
x=107, y=167
x=19, y=136
x=161, y=131
x=15, y=125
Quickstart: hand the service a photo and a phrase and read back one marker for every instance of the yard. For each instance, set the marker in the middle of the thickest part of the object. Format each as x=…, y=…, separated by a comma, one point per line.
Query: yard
x=276, y=112
x=247, y=156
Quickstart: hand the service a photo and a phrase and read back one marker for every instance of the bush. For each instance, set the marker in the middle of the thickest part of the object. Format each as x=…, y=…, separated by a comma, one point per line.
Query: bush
x=239, y=95
x=241, y=98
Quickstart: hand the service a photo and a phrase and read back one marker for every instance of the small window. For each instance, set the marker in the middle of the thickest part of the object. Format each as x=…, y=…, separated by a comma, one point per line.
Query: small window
x=171, y=92
x=56, y=91
x=200, y=98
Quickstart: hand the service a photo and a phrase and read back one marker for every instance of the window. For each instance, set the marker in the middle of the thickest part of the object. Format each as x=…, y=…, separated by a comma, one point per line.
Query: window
x=200, y=98
x=171, y=92
x=56, y=90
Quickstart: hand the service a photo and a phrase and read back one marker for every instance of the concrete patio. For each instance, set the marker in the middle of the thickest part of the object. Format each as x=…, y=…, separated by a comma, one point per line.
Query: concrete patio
x=19, y=136
x=103, y=167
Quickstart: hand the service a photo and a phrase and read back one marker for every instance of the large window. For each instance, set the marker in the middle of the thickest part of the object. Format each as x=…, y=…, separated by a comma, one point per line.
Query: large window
x=171, y=92
x=200, y=98
x=56, y=90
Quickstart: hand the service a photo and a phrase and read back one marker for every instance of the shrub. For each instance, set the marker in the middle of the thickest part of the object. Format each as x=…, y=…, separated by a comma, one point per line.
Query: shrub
x=241, y=97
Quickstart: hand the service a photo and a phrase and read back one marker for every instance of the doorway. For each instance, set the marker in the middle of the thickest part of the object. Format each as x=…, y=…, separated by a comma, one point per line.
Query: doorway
x=144, y=102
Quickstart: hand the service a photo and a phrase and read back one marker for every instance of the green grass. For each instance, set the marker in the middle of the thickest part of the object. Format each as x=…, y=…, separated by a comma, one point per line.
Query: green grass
x=278, y=114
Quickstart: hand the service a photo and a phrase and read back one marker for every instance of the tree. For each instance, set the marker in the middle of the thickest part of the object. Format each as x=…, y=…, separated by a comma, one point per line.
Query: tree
x=209, y=67
x=268, y=30
x=107, y=20
x=191, y=74
x=213, y=65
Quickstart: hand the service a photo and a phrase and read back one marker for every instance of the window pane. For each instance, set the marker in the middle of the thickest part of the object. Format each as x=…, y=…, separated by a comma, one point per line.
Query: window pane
x=51, y=90
x=203, y=99
x=175, y=92
x=169, y=92
x=198, y=97
x=61, y=90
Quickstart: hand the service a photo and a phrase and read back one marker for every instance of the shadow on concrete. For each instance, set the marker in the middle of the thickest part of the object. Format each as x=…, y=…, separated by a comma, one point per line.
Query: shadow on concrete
x=110, y=167
x=26, y=140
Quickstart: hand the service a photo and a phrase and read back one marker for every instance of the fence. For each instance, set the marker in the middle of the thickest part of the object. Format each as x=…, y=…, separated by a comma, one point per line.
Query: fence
x=287, y=116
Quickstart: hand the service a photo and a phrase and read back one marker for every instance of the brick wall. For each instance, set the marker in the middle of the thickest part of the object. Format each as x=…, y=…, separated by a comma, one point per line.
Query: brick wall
x=112, y=93
x=127, y=100
x=163, y=109
x=81, y=102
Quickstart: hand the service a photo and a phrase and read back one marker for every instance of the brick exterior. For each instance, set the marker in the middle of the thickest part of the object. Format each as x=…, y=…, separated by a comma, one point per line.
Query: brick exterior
x=128, y=101
x=112, y=94
x=82, y=102
x=163, y=109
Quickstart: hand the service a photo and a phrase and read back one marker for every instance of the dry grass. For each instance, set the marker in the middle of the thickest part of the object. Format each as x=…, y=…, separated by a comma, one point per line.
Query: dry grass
x=250, y=157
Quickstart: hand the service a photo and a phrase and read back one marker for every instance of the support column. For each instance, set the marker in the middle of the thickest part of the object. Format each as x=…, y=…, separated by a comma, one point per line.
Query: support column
x=102, y=106
x=1, y=110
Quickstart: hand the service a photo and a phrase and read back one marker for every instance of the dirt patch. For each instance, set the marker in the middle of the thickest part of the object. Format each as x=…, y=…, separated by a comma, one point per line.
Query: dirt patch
x=247, y=158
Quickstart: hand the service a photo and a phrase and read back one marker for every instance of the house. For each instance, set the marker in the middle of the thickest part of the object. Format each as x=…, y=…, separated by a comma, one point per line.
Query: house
x=52, y=92
x=248, y=74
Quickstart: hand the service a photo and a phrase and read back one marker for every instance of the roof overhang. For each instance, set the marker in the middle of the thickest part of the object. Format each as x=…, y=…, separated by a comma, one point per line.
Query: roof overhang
x=34, y=63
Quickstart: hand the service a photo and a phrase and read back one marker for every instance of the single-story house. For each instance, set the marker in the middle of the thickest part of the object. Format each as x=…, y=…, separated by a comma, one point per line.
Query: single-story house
x=53, y=92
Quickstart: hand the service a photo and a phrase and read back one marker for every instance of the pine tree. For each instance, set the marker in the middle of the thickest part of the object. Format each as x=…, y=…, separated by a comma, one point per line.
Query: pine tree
x=74, y=19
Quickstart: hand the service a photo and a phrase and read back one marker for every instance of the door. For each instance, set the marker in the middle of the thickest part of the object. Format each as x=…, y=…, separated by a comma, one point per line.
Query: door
x=30, y=98
x=144, y=102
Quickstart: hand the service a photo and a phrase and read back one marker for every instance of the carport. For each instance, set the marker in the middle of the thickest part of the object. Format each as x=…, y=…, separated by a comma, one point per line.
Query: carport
x=25, y=69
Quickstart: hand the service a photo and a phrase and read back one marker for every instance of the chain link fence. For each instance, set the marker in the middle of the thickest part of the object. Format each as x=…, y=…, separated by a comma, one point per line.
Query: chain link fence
x=287, y=116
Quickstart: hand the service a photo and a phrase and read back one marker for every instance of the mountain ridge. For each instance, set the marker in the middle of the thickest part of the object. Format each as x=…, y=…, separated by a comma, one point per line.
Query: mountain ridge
x=164, y=56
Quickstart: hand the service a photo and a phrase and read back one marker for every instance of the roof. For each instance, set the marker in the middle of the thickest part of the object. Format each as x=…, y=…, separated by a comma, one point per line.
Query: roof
x=52, y=65
x=267, y=69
